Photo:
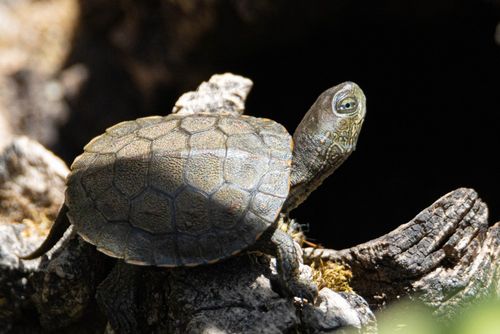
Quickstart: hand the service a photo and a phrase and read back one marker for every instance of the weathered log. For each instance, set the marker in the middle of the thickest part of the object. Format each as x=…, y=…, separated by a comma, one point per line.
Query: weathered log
x=61, y=290
x=446, y=256
x=31, y=190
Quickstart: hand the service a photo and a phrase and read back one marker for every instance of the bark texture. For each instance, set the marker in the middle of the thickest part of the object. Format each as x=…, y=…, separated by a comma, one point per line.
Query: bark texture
x=31, y=190
x=75, y=61
x=74, y=288
x=447, y=257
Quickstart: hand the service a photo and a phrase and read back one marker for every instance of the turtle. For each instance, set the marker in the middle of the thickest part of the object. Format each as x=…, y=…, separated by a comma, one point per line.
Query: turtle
x=206, y=182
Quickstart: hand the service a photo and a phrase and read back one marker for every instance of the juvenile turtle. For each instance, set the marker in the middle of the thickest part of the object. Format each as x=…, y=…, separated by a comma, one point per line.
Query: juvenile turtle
x=205, y=182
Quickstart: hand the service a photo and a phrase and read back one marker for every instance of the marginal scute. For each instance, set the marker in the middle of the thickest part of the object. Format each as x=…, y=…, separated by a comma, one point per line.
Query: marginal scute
x=107, y=144
x=122, y=128
x=113, y=239
x=280, y=147
x=231, y=242
x=96, y=142
x=157, y=130
x=98, y=178
x=75, y=193
x=147, y=121
x=210, y=247
x=131, y=167
x=165, y=251
x=87, y=222
x=251, y=227
x=232, y=125
x=152, y=212
x=276, y=182
x=196, y=123
x=192, y=212
x=84, y=160
x=267, y=126
x=266, y=206
x=228, y=205
x=189, y=250
x=139, y=247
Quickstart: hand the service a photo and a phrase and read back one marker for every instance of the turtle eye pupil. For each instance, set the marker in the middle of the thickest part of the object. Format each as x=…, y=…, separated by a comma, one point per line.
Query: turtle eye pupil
x=347, y=105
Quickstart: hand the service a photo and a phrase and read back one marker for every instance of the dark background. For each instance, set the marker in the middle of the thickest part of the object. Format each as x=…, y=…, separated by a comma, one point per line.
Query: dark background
x=430, y=71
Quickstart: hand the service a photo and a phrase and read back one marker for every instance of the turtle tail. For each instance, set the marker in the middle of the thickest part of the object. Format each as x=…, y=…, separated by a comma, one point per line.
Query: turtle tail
x=60, y=226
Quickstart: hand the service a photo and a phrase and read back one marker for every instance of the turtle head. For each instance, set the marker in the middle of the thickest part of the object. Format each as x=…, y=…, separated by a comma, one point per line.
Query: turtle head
x=337, y=117
x=325, y=137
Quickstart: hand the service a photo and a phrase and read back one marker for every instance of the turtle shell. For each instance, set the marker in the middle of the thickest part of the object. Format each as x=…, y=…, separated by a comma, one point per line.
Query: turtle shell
x=180, y=190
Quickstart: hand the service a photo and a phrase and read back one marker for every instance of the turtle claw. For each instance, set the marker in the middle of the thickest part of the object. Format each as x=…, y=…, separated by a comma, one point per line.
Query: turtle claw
x=294, y=278
x=301, y=287
x=303, y=293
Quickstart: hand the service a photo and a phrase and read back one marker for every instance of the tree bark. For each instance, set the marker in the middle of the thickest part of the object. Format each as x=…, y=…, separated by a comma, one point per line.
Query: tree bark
x=447, y=257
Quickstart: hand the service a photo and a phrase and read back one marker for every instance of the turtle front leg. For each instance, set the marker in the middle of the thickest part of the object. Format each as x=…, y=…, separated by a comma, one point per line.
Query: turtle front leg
x=288, y=260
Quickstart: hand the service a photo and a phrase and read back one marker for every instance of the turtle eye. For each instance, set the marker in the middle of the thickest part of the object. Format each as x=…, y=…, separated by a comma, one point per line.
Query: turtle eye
x=346, y=105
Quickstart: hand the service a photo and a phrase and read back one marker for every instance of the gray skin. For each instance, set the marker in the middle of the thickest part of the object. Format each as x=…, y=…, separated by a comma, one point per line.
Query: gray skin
x=208, y=183
x=324, y=139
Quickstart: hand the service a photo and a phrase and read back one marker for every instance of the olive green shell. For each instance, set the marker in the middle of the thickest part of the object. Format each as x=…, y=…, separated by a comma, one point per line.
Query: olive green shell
x=180, y=190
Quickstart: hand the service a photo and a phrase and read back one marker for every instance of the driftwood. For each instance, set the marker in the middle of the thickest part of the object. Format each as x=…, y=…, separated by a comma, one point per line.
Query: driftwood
x=447, y=257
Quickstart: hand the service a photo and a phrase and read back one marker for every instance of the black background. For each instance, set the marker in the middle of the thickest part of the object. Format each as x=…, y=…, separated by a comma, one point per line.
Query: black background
x=431, y=74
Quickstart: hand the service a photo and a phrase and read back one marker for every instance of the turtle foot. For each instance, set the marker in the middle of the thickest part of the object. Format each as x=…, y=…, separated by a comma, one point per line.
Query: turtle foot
x=306, y=292
x=294, y=278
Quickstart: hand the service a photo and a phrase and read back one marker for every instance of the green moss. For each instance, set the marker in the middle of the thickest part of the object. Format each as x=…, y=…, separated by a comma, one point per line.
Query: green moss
x=332, y=275
x=293, y=228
